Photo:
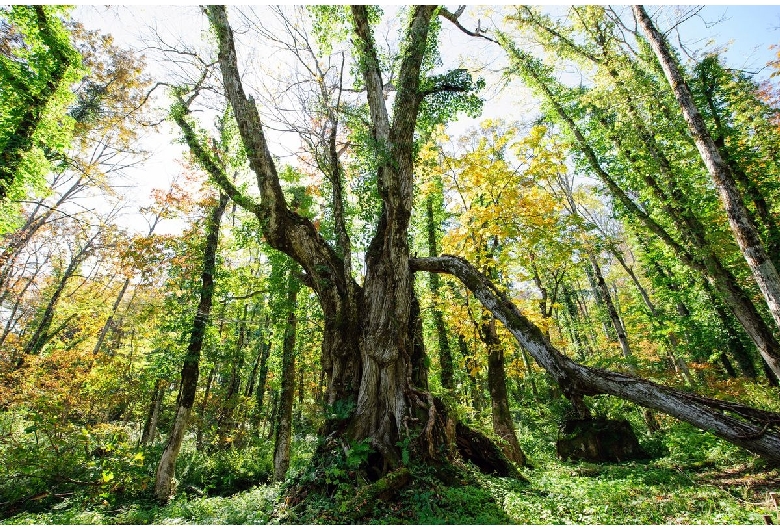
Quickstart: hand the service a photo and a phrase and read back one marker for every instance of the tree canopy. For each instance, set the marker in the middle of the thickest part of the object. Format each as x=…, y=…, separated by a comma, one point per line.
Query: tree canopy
x=359, y=291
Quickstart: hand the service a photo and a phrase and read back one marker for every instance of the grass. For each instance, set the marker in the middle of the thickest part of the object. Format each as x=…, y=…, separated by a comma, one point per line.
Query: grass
x=694, y=478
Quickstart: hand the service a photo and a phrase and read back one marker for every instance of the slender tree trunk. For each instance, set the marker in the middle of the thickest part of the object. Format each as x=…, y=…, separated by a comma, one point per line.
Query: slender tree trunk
x=704, y=262
x=203, y=406
x=503, y=425
x=418, y=359
x=164, y=485
x=110, y=320
x=42, y=334
x=762, y=208
x=265, y=352
x=445, y=353
x=470, y=364
x=582, y=347
x=283, y=422
x=150, y=426
x=601, y=306
x=764, y=271
x=617, y=324
x=614, y=318
x=10, y=316
x=735, y=347
x=226, y=417
x=529, y=373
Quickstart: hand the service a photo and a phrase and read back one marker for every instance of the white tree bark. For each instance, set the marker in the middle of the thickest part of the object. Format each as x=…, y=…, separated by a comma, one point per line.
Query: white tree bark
x=762, y=267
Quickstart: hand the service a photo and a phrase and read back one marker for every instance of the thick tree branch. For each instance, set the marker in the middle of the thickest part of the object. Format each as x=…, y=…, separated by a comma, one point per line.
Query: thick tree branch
x=284, y=229
x=754, y=434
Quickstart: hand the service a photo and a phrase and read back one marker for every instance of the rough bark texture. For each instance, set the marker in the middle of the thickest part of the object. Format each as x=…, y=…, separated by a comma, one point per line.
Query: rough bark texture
x=764, y=271
x=744, y=426
x=164, y=480
x=366, y=343
x=368, y=331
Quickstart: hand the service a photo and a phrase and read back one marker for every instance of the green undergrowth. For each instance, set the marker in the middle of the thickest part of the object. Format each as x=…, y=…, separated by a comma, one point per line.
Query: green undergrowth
x=692, y=478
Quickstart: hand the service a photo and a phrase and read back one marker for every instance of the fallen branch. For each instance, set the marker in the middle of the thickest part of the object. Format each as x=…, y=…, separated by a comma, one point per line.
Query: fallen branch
x=751, y=430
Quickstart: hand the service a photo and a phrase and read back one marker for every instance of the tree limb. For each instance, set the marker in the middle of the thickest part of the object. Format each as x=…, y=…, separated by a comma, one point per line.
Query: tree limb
x=576, y=379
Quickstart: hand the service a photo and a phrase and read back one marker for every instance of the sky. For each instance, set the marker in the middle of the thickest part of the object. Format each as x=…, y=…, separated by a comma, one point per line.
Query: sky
x=747, y=32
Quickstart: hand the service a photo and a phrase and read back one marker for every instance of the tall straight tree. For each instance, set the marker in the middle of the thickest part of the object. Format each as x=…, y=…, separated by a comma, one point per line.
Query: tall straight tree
x=190, y=371
x=284, y=424
x=763, y=269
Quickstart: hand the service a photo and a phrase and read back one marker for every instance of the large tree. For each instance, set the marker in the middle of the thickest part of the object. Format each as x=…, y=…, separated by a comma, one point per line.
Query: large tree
x=367, y=338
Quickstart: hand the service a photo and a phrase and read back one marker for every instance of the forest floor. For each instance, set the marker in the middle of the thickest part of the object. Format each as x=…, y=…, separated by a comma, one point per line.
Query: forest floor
x=694, y=478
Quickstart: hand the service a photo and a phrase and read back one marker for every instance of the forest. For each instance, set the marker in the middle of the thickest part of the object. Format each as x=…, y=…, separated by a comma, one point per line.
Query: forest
x=289, y=264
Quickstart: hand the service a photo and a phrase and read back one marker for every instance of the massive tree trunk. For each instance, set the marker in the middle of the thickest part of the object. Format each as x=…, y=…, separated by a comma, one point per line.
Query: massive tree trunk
x=190, y=369
x=753, y=250
x=752, y=429
x=366, y=344
x=284, y=413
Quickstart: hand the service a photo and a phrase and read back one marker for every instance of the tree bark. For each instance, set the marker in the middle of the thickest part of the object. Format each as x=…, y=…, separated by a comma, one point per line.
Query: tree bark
x=614, y=318
x=284, y=420
x=202, y=420
x=42, y=334
x=503, y=425
x=752, y=429
x=20, y=140
x=445, y=352
x=705, y=262
x=753, y=250
x=164, y=480
x=366, y=344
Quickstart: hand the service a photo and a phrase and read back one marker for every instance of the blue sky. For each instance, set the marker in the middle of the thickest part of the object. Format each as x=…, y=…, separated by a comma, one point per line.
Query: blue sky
x=752, y=29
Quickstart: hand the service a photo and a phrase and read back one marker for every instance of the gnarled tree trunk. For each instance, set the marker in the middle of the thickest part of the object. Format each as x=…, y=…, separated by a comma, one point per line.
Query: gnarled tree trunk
x=366, y=346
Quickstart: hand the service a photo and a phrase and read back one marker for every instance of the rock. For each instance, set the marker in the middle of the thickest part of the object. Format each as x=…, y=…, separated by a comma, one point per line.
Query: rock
x=480, y=450
x=598, y=440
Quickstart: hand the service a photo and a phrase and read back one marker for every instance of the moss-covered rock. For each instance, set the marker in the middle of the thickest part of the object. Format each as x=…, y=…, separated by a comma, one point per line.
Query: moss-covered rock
x=598, y=440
